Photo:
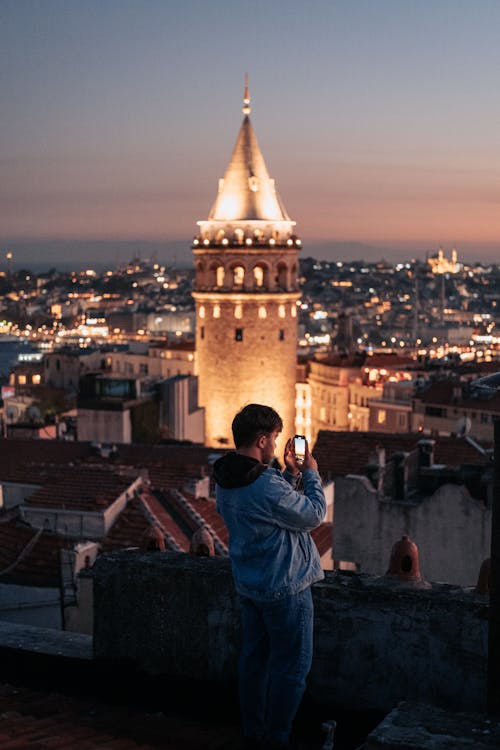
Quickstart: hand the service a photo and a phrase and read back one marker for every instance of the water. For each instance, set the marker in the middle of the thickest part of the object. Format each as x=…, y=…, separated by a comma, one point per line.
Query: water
x=9, y=352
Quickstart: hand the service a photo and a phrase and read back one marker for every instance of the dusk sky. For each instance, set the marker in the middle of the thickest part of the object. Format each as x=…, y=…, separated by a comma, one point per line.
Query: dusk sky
x=379, y=119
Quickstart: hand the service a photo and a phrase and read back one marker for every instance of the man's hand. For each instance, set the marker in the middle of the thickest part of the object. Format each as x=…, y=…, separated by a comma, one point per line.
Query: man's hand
x=309, y=460
x=292, y=464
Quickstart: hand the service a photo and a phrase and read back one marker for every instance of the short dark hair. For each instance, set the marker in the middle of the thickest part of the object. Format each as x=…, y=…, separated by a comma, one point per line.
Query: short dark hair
x=254, y=420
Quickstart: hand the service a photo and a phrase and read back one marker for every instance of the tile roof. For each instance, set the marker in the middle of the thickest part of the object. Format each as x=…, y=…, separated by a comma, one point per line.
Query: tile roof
x=341, y=453
x=39, y=565
x=32, y=719
x=443, y=392
x=322, y=538
x=83, y=488
x=77, y=478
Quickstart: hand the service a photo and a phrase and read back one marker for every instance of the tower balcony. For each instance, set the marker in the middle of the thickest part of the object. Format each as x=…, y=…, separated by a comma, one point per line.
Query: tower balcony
x=246, y=243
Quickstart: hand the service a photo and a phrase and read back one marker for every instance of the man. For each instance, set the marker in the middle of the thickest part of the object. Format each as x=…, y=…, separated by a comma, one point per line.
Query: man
x=274, y=563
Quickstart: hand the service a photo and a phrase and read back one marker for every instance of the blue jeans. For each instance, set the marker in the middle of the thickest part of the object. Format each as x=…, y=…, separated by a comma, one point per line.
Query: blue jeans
x=274, y=662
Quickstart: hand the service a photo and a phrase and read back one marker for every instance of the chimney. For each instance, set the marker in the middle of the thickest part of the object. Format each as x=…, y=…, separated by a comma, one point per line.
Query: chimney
x=426, y=453
x=401, y=475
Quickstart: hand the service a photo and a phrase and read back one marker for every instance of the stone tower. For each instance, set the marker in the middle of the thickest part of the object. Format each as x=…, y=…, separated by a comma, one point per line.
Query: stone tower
x=246, y=292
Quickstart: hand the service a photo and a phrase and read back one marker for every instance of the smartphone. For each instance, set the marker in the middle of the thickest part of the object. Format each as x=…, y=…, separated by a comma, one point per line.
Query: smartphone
x=299, y=443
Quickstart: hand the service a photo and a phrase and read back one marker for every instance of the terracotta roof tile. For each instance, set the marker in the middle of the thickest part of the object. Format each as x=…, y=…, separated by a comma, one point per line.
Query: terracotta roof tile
x=40, y=566
x=31, y=719
x=341, y=453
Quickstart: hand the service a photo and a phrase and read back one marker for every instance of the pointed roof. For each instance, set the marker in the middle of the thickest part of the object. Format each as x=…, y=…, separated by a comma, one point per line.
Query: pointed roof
x=247, y=192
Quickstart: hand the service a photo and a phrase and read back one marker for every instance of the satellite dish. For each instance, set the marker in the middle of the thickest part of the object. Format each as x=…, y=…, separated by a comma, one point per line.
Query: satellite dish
x=463, y=426
x=11, y=412
x=34, y=414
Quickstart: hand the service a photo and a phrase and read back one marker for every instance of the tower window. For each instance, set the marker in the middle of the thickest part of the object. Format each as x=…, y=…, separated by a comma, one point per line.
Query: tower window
x=202, y=332
x=219, y=275
x=216, y=311
x=281, y=311
x=282, y=335
x=238, y=312
x=262, y=312
x=238, y=276
x=238, y=334
x=258, y=275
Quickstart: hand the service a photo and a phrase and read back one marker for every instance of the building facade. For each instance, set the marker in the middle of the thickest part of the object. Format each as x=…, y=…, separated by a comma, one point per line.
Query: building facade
x=246, y=293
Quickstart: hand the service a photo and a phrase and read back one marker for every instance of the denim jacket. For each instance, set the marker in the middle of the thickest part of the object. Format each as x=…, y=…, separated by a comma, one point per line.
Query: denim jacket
x=271, y=550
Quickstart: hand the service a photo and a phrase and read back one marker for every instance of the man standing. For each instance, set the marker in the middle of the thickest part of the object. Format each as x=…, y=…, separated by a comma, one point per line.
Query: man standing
x=274, y=563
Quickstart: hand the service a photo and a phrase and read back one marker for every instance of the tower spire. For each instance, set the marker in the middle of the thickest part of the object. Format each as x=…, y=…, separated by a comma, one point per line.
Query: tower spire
x=246, y=98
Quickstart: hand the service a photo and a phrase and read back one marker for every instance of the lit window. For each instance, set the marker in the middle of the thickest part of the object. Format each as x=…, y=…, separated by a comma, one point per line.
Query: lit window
x=36, y=379
x=216, y=311
x=238, y=312
x=381, y=416
x=238, y=275
x=282, y=311
x=262, y=312
x=21, y=379
x=220, y=275
x=202, y=311
x=258, y=274
x=322, y=414
x=293, y=311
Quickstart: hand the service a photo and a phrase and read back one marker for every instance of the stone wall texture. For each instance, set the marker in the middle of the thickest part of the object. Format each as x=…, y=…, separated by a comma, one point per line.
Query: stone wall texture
x=377, y=642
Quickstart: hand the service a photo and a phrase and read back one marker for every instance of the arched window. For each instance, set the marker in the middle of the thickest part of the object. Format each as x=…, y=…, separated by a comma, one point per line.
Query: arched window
x=239, y=235
x=220, y=273
x=238, y=276
x=258, y=275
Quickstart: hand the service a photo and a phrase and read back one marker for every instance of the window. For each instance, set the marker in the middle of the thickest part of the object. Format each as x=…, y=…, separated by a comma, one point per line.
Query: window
x=36, y=379
x=401, y=420
x=381, y=416
x=216, y=311
x=262, y=312
x=238, y=334
x=282, y=335
x=202, y=332
x=238, y=276
x=220, y=275
x=258, y=275
x=21, y=379
x=201, y=311
x=238, y=312
x=281, y=311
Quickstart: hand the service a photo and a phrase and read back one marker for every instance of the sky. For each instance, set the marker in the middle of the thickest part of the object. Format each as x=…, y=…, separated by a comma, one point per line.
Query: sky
x=378, y=119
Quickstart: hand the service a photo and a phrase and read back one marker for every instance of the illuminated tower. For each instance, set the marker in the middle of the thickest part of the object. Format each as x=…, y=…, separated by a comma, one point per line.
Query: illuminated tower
x=246, y=292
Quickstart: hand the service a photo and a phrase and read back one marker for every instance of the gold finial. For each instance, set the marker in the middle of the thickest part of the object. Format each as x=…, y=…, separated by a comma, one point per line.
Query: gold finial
x=246, y=98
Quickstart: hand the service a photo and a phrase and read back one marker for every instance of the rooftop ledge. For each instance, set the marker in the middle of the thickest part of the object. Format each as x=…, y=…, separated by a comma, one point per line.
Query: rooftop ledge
x=379, y=645
x=376, y=641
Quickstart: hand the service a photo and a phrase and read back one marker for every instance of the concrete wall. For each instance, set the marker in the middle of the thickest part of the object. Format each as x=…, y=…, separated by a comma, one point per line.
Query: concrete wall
x=104, y=425
x=30, y=605
x=376, y=642
x=450, y=528
x=15, y=493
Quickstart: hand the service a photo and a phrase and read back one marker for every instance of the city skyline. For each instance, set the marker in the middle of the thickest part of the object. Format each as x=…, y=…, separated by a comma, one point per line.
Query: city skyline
x=377, y=121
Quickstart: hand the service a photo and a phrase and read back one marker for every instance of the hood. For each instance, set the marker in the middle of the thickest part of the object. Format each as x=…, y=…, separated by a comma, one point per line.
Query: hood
x=235, y=470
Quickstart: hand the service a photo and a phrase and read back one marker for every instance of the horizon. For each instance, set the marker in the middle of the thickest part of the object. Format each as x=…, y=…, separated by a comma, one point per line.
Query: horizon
x=377, y=121
x=45, y=254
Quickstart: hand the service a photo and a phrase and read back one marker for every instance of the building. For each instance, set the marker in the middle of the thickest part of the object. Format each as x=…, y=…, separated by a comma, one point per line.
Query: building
x=343, y=385
x=246, y=293
x=438, y=492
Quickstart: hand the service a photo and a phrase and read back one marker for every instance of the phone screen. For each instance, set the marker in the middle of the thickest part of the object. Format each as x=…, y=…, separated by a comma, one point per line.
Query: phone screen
x=300, y=447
